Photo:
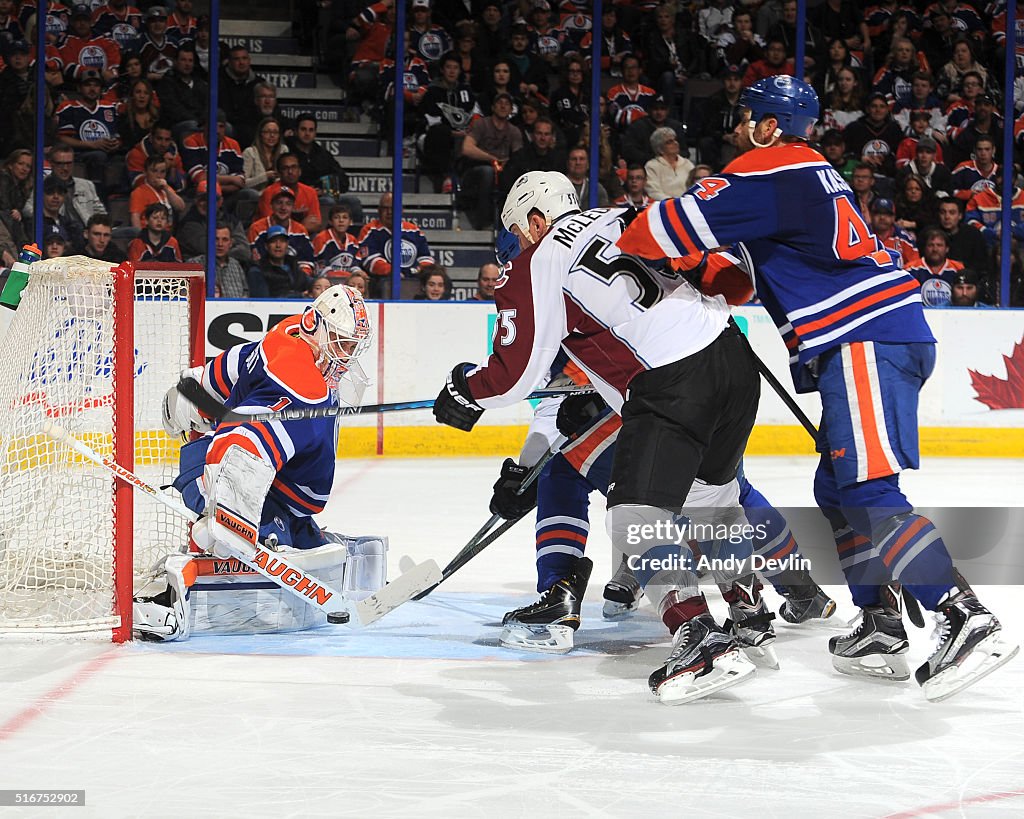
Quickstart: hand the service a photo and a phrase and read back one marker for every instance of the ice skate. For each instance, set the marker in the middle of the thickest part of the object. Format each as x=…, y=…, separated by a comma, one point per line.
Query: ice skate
x=971, y=645
x=805, y=603
x=622, y=593
x=751, y=621
x=549, y=624
x=704, y=659
x=878, y=646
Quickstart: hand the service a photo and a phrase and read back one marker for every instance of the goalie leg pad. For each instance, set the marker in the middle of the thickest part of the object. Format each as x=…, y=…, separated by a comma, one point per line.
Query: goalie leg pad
x=366, y=570
x=237, y=488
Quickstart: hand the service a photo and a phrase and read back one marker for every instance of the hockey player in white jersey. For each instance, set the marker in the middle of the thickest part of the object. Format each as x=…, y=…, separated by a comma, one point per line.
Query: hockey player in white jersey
x=669, y=361
x=264, y=481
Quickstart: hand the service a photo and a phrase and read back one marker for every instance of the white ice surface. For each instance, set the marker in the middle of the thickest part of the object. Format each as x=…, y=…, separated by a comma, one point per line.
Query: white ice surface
x=423, y=715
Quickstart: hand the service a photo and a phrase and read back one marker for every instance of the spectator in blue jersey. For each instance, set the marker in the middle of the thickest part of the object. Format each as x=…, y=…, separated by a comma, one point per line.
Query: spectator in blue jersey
x=278, y=274
x=375, y=244
x=89, y=125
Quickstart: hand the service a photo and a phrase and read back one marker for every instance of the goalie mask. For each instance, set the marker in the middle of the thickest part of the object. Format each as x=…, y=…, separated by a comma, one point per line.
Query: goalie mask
x=338, y=327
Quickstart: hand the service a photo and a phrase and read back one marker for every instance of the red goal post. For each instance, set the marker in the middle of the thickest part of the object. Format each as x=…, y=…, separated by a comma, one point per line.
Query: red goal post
x=94, y=348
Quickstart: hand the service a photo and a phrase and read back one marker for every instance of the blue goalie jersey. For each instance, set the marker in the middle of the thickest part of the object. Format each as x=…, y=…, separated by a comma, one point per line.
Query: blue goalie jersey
x=821, y=273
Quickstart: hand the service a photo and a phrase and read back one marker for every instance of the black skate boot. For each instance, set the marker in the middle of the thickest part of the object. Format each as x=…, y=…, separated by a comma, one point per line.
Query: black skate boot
x=751, y=621
x=549, y=624
x=622, y=593
x=878, y=646
x=805, y=602
x=971, y=645
x=704, y=659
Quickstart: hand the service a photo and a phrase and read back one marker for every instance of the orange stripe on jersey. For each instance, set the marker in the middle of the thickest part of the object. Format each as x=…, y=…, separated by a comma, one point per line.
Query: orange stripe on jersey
x=878, y=464
x=221, y=443
x=776, y=158
x=218, y=381
x=290, y=361
x=670, y=210
x=639, y=240
x=789, y=547
x=854, y=542
x=904, y=539
x=268, y=440
x=860, y=304
x=582, y=449
x=575, y=374
x=287, y=492
x=562, y=534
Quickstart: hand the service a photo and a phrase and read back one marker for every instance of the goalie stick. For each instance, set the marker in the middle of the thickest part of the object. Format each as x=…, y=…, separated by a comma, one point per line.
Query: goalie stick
x=275, y=566
x=212, y=408
x=481, y=540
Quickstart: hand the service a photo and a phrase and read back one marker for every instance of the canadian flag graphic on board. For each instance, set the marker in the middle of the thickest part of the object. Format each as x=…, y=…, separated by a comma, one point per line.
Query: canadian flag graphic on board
x=1002, y=393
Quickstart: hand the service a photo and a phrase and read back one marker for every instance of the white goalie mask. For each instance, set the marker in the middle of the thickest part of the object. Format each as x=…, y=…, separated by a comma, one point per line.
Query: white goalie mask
x=549, y=192
x=339, y=327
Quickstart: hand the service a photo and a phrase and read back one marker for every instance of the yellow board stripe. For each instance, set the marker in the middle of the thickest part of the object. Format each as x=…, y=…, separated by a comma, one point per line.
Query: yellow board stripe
x=361, y=442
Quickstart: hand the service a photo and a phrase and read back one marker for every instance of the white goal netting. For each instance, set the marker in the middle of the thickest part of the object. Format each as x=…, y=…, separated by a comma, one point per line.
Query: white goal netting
x=58, y=511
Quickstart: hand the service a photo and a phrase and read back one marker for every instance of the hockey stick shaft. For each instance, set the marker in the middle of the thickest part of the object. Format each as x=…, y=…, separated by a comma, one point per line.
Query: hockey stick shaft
x=784, y=395
x=212, y=408
x=275, y=566
x=481, y=540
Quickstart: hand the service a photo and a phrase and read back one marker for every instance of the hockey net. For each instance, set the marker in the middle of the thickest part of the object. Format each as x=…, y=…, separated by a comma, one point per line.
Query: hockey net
x=93, y=349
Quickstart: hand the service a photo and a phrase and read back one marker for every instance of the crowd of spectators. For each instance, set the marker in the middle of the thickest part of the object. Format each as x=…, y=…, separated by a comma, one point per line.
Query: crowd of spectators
x=911, y=99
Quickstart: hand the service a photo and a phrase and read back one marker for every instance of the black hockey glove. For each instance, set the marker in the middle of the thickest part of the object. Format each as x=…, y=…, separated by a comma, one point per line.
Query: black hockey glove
x=454, y=405
x=505, y=501
x=577, y=411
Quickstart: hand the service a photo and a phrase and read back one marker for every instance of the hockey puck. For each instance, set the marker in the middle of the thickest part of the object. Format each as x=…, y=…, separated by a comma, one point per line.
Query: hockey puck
x=338, y=617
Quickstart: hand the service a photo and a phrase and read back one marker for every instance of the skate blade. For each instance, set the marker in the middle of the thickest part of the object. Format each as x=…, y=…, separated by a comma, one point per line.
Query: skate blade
x=554, y=640
x=763, y=656
x=986, y=657
x=730, y=669
x=875, y=666
x=613, y=610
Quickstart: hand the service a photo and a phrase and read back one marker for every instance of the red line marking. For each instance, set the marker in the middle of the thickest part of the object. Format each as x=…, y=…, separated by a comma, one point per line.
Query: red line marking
x=44, y=702
x=943, y=806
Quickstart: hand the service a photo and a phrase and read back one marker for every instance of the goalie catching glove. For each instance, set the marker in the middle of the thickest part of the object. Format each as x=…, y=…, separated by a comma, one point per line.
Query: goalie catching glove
x=180, y=416
x=454, y=405
x=505, y=501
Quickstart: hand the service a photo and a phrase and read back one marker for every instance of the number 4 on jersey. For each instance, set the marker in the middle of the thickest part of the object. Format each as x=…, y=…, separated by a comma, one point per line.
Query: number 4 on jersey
x=853, y=240
x=710, y=187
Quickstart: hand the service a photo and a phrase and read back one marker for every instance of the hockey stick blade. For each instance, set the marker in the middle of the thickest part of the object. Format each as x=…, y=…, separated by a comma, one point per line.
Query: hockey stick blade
x=209, y=406
x=404, y=588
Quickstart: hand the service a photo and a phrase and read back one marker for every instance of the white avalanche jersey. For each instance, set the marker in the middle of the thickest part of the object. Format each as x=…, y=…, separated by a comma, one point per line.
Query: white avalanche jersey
x=613, y=315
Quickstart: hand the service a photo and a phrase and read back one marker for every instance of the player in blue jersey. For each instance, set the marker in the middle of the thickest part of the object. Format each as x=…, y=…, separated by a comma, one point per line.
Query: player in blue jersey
x=855, y=328
x=271, y=477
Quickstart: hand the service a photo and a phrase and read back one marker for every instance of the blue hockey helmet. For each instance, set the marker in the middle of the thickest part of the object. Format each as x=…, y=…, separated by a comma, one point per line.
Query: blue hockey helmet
x=792, y=102
x=506, y=246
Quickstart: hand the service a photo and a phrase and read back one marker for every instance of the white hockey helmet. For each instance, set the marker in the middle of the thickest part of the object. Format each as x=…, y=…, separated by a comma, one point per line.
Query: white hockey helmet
x=549, y=192
x=339, y=326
